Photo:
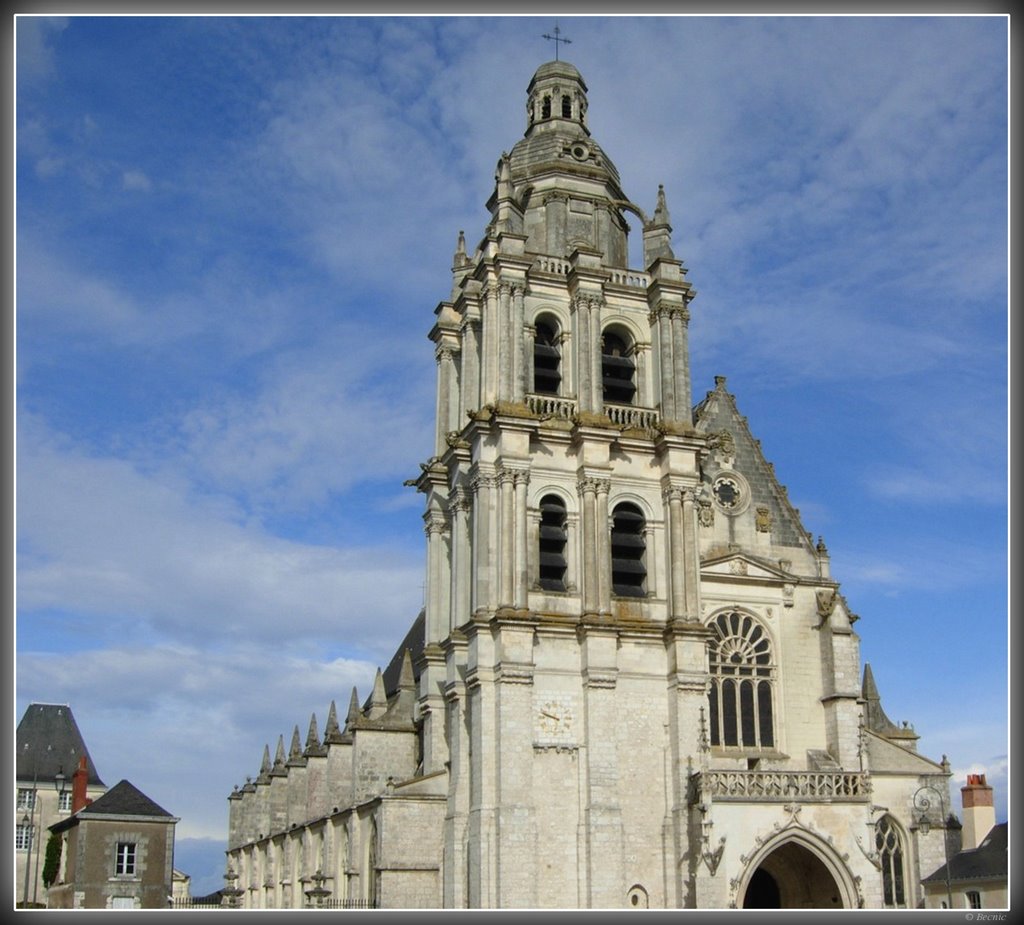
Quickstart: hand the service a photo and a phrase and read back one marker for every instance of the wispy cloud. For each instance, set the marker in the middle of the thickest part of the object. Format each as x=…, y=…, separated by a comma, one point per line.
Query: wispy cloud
x=105, y=538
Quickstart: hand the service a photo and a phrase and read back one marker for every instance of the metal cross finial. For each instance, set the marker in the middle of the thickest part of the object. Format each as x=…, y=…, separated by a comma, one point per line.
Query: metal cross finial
x=556, y=39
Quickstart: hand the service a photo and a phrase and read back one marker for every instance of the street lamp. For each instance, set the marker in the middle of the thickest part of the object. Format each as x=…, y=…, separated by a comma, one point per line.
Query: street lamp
x=922, y=804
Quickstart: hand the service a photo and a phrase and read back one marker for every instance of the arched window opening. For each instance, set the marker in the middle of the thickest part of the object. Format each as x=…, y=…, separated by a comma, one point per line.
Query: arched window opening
x=566, y=107
x=890, y=853
x=742, y=674
x=618, y=370
x=547, y=360
x=545, y=108
x=553, y=541
x=629, y=545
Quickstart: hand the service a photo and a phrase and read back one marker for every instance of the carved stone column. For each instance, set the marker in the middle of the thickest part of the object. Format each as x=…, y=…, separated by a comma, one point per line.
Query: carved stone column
x=597, y=373
x=505, y=342
x=691, y=560
x=518, y=343
x=485, y=543
x=435, y=527
x=677, y=570
x=588, y=505
x=583, y=361
x=522, y=480
x=681, y=372
x=506, y=537
x=489, y=353
x=461, y=553
x=445, y=380
x=470, y=379
x=668, y=395
x=603, y=547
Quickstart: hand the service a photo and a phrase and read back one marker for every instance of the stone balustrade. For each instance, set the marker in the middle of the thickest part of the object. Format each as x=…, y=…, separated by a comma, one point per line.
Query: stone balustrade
x=551, y=406
x=631, y=416
x=757, y=786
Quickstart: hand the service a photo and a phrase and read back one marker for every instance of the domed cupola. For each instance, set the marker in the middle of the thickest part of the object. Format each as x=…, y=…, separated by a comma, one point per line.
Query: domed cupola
x=556, y=93
x=556, y=185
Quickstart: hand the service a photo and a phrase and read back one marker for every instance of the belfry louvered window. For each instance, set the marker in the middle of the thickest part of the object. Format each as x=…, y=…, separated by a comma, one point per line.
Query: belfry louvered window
x=889, y=846
x=629, y=547
x=547, y=360
x=618, y=370
x=742, y=680
x=553, y=542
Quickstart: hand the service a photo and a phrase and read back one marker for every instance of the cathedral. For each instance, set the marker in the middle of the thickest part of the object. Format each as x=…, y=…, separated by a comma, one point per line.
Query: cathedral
x=635, y=682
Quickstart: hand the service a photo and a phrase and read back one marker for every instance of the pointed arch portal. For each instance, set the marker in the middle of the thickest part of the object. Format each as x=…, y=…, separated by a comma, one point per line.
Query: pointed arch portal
x=796, y=874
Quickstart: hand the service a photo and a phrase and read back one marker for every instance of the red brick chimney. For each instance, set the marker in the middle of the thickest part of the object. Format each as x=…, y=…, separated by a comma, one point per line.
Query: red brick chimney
x=79, y=782
x=979, y=811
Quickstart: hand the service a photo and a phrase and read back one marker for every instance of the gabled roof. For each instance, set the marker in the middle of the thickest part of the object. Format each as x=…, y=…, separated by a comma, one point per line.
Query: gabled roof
x=717, y=416
x=49, y=742
x=986, y=862
x=123, y=799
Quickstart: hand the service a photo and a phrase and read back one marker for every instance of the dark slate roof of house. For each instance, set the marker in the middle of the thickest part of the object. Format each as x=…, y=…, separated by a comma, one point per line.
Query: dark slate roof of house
x=123, y=799
x=985, y=862
x=49, y=742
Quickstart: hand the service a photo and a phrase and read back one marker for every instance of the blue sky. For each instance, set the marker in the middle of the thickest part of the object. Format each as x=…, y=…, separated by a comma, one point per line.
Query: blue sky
x=232, y=234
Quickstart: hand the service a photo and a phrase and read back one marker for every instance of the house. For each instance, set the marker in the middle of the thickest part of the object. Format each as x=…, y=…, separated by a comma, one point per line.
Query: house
x=117, y=852
x=976, y=876
x=49, y=748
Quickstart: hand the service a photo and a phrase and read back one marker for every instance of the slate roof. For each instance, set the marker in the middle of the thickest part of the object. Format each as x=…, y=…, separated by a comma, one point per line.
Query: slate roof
x=414, y=642
x=986, y=862
x=49, y=741
x=123, y=799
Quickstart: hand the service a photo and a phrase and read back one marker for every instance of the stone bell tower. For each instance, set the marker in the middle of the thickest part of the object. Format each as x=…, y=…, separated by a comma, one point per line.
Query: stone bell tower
x=563, y=568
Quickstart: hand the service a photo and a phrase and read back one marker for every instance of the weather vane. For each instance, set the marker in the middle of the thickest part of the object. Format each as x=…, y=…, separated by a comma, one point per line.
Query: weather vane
x=556, y=39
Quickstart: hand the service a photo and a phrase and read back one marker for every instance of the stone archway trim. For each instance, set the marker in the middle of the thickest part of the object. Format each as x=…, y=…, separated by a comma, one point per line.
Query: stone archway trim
x=849, y=893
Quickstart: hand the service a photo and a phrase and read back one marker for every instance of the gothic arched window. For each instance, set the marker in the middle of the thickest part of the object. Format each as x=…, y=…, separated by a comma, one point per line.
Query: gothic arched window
x=889, y=846
x=545, y=109
x=553, y=542
x=617, y=370
x=547, y=360
x=629, y=545
x=566, y=106
x=742, y=678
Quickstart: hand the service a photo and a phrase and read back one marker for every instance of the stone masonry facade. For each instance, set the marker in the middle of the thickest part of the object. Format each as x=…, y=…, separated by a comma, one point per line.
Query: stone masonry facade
x=635, y=682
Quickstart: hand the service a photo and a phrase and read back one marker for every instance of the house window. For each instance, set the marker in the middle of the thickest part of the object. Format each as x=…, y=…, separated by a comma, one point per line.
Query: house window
x=973, y=899
x=64, y=802
x=545, y=109
x=890, y=853
x=26, y=798
x=547, y=360
x=553, y=541
x=23, y=837
x=566, y=107
x=629, y=545
x=617, y=370
x=742, y=678
x=125, y=862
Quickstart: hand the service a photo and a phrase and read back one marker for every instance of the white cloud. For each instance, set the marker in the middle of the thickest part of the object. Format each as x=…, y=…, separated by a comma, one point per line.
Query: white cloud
x=185, y=723
x=100, y=537
x=354, y=407
x=136, y=180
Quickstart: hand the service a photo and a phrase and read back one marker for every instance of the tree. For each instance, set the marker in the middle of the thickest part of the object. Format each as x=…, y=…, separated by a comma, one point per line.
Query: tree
x=51, y=866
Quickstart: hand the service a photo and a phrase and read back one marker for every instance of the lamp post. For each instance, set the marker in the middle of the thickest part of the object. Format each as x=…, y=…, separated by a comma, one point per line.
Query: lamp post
x=923, y=804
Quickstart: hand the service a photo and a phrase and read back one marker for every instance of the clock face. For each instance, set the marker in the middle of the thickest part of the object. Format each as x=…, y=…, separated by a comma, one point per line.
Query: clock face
x=554, y=717
x=554, y=720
